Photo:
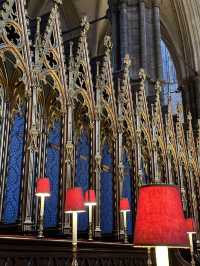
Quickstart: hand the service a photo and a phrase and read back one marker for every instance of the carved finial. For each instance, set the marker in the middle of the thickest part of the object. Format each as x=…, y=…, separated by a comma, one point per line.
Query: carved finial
x=107, y=43
x=180, y=116
x=85, y=25
x=127, y=61
x=142, y=74
x=50, y=25
x=179, y=108
x=157, y=87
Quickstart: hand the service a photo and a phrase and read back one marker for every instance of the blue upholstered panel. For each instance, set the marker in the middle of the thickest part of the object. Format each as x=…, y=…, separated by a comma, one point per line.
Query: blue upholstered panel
x=13, y=179
x=52, y=171
x=107, y=191
x=82, y=174
x=127, y=191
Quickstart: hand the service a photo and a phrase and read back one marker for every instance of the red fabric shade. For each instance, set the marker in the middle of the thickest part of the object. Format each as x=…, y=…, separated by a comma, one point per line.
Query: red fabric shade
x=90, y=197
x=124, y=205
x=74, y=201
x=43, y=187
x=191, y=225
x=160, y=219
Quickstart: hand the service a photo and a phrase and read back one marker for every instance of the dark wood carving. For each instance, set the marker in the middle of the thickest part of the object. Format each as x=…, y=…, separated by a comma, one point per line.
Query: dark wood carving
x=30, y=251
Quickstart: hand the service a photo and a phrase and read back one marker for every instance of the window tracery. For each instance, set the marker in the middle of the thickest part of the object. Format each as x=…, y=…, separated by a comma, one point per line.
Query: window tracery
x=171, y=86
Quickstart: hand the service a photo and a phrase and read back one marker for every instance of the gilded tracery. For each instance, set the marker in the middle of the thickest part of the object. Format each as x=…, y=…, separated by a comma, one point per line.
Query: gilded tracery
x=76, y=121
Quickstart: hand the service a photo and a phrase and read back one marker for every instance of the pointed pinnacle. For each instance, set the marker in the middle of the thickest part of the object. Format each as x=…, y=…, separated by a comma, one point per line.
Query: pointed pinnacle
x=157, y=87
x=127, y=60
x=142, y=74
x=85, y=25
x=107, y=43
x=179, y=108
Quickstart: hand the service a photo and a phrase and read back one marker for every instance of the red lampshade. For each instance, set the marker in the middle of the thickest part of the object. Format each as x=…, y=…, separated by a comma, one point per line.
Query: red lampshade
x=124, y=205
x=160, y=219
x=74, y=201
x=43, y=187
x=90, y=198
x=191, y=225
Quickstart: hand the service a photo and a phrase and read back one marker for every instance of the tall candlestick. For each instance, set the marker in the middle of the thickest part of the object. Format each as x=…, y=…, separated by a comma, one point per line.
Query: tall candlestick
x=74, y=229
x=90, y=222
x=125, y=228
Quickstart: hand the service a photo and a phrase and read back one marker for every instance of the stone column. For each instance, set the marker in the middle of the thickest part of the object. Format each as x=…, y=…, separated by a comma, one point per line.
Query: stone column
x=123, y=30
x=186, y=96
x=197, y=94
x=157, y=38
x=113, y=13
x=143, y=47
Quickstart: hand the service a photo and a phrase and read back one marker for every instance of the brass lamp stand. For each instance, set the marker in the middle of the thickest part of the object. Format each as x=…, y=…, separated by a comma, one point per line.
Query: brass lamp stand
x=42, y=191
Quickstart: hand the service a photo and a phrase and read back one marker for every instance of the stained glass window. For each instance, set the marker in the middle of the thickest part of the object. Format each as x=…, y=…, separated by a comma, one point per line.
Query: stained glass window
x=171, y=87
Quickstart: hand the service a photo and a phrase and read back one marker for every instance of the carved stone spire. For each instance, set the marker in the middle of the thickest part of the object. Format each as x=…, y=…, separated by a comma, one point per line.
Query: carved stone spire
x=142, y=74
x=38, y=43
x=107, y=44
x=158, y=88
x=127, y=63
x=51, y=23
x=85, y=26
